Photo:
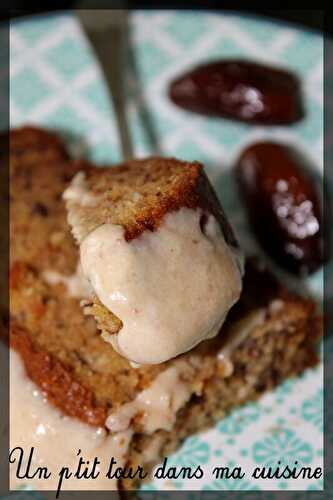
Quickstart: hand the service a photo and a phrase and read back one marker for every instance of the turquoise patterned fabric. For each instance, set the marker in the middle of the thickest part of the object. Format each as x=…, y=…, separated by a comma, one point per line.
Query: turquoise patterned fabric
x=56, y=82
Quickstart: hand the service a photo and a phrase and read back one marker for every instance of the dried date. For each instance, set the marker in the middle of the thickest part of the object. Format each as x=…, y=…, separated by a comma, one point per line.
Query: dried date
x=283, y=205
x=240, y=90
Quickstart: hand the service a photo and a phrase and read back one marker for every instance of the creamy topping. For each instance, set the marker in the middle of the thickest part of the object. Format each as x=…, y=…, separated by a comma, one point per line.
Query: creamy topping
x=156, y=407
x=77, y=286
x=158, y=404
x=78, y=191
x=57, y=438
x=77, y=195
x=171, y=288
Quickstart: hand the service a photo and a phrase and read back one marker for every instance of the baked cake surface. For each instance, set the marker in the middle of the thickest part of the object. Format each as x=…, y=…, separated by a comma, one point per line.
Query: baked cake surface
x=63, y=353
x=139, y=193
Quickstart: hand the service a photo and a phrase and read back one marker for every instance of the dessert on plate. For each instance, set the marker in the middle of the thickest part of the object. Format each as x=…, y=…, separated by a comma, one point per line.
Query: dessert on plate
x=78, y=388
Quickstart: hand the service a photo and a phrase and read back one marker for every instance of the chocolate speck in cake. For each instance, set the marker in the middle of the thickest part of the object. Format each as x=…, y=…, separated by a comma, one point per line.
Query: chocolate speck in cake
x=40, y=209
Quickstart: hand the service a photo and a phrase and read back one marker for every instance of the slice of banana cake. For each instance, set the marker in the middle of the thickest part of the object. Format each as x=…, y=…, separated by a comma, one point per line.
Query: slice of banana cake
x=67, y=380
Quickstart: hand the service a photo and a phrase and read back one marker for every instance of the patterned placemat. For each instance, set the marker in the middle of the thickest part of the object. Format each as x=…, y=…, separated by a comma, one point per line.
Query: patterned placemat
x=55, y=82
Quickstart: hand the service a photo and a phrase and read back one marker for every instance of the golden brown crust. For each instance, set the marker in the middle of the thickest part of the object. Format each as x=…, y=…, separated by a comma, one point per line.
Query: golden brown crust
x=139, y=193
x=158, y=185
x=57, y=380
x=48, y=327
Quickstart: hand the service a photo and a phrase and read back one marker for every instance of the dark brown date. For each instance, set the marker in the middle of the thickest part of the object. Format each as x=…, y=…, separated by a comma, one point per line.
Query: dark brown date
x=240, y=90
x=283, y=206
